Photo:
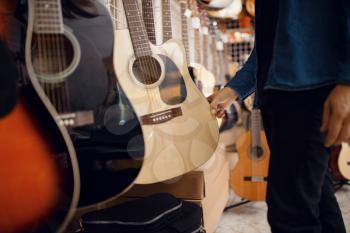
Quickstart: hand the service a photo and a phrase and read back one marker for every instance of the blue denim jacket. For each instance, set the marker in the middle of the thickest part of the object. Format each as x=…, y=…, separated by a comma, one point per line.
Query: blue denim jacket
x=311, y=48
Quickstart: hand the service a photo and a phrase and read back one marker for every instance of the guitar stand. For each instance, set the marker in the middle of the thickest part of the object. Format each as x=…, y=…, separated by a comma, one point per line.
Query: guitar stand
x=236, y=205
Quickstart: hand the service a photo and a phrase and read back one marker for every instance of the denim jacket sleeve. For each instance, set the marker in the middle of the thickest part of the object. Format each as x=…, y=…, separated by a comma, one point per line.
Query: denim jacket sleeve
x=244, y=83
x=344, y=75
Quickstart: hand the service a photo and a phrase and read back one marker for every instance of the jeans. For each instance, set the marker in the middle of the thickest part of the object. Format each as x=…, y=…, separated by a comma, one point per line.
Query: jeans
x=300, y=195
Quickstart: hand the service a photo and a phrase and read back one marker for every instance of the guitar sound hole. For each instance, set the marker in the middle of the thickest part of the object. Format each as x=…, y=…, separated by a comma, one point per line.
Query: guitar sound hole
x=147, y=70
x=52, y=54
x=257, y=153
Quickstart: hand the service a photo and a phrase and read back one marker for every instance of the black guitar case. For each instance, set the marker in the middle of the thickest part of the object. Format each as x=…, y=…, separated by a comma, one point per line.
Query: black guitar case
x=159, y=213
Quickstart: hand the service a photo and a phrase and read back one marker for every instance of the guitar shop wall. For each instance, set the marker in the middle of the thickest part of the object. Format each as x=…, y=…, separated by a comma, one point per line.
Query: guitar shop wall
x=105, y=121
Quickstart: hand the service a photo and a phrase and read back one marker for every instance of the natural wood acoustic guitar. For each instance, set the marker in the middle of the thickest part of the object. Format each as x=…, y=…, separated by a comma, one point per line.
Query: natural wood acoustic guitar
x=179, y=131
x=249, y=177
x=204, y=79
x=340, y=162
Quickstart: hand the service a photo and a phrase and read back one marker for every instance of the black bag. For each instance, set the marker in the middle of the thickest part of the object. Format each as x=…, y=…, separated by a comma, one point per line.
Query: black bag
x=159, y=213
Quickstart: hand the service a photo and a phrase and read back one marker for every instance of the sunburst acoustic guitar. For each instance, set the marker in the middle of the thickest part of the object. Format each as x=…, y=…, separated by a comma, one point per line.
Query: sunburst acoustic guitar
x=179, y=131
x=39, y=177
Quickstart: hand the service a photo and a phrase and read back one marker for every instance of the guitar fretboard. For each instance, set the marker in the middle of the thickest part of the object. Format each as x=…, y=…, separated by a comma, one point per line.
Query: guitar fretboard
x=148, y=18
x=117, y=11
x=167, y=31
x=184, y=28
x=137, y=28
x=256, y=128
x=48, y=17
x=205, y=50
x=214, y=55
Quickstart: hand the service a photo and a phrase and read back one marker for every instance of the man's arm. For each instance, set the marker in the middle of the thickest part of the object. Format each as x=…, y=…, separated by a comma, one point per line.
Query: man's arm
x=244, y=83
x=336, y=112
x=344, y=60
x=241, y=86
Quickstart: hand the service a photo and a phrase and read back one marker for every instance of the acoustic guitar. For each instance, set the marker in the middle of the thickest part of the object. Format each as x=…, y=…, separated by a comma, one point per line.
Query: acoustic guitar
x=39, y=177
x=249, y=177
x=230, y=12
x=204, y=79
x=71, y=66
x=179, y=131
x=340, y=162
x=250, y=6
x=215, y=4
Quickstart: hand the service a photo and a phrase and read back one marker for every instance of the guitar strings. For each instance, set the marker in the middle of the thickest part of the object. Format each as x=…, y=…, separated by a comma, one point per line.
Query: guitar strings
x=150, y=64
x=129, y=8
x=154, y=65
x=59, y=66
x=144, y=59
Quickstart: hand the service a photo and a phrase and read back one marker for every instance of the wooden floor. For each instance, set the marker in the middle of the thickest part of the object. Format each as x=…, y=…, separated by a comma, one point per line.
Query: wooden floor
x=251, y=218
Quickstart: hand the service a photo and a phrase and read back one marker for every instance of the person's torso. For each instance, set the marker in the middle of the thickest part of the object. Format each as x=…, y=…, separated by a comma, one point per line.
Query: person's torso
x=309, y=42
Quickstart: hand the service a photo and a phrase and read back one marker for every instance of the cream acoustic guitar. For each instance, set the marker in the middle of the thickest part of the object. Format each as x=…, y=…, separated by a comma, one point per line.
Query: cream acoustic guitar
x=204, y=79
x=230, y=12
x=179, y=131
x=215, y=4
x=249, y=177
x=340, y=162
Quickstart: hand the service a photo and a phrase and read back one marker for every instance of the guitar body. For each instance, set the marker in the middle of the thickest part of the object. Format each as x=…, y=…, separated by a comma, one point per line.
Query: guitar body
x=248, y=179
x=105, y=131
x=204, y=79
x=39, y=177
x=180, y=133
x=339, y=162
x=344, y=161
x=39, y=174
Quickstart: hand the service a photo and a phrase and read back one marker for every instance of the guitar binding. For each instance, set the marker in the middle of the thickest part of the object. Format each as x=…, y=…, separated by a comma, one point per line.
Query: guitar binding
x=59, y=73
x=158, y=70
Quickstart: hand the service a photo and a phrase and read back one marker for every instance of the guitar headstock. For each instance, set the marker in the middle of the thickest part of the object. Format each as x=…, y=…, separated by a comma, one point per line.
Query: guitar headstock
x=203, y=15
x=193, y=5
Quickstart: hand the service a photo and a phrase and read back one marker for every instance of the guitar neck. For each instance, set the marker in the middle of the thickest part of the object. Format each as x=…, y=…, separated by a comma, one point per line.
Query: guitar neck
x=148, y=18
x=48, y=17
x=214, y=55
x=167, y=31
x=205, y=50
x=197, y=55
x=256, y=128
x=184, y=28
x=137, y=28
x=117, y=12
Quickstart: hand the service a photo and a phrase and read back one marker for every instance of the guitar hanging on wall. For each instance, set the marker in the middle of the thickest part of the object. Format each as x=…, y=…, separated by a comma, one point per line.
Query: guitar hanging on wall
x=204, y=79
x=39, y=175
x=71, y=66
x=249, y=177
x=179, y=131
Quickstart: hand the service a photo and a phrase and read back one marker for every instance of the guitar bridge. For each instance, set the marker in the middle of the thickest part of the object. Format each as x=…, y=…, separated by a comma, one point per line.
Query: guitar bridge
x=161, y=117
x=76, y=119
x=256, y=179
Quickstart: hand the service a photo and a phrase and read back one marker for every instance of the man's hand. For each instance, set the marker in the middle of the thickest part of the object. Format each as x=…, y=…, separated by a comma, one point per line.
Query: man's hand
x=336, y=116
x=221, y=100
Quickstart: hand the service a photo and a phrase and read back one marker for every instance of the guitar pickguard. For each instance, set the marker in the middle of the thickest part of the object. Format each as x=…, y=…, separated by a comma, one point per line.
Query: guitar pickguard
x=172, y=89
